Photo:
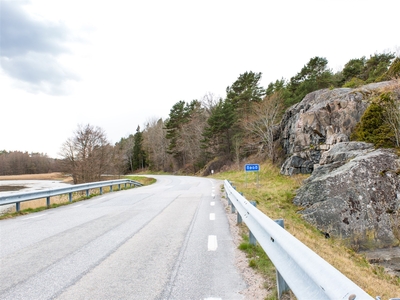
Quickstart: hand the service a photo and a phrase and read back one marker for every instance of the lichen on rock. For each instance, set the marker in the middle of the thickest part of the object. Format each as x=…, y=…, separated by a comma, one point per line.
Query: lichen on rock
x=355, y=194
x=322, y=119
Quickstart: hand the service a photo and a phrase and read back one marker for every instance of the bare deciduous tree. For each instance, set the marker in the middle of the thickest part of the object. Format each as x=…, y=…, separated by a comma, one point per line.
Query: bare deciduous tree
x=156, y=144
x=191, y=136
x=209, y=101
x=17, y=162
x=262, y=121
x=87, y=155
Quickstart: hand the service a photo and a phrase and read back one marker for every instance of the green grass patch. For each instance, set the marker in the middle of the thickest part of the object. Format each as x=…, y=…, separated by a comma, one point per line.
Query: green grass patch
x=142, y=179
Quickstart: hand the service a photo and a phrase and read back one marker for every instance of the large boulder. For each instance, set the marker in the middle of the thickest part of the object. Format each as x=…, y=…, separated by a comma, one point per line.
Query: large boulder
x=322, y=119
x=354, y=193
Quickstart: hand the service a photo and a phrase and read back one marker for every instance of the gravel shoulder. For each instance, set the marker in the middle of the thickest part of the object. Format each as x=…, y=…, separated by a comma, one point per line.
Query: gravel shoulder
x=256, y=284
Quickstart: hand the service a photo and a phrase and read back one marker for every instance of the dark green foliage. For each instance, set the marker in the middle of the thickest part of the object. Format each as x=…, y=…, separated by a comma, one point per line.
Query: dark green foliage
x=244, y=91
x=353, y=69
x=360, y=71
x=178, y=116
x=184, y=134
x=313, y=76
x=372, y=127
x=139, y=155
x=376, y=66
x=224, y=125
x=280, y=86
x=221, y=129
x=354, y=82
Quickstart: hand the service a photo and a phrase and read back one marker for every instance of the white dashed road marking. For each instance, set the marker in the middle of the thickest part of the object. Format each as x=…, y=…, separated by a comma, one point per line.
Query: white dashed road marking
x=212, y=243
x=212, y=203
x=212, y=217
x=35, y=217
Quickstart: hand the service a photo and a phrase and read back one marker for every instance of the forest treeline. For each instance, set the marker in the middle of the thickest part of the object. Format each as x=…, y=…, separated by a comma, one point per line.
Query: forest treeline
x=17, y=163
x=205, y=134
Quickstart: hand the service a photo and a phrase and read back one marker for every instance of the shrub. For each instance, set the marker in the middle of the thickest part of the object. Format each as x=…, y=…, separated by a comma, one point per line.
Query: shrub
x=373, y=128
x=354, y=82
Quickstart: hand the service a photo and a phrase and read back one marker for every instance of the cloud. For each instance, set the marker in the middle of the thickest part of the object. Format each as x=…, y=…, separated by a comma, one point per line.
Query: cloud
x=30, y=49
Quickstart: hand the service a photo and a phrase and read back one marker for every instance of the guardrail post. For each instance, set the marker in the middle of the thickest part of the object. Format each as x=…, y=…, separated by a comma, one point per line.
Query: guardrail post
x=252, y=238
x=101, y=190
x=87, y=193
x=111, y=188
x=70, y=197
x=239, y=218
x=119, y=187
x=281, y=284
x=233, y=208
x=48, y=201
x=18, y=206
x=229, y=200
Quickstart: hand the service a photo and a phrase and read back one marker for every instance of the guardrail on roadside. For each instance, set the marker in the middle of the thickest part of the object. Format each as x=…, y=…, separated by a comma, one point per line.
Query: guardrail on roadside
x=17, y=198
x=303, y=271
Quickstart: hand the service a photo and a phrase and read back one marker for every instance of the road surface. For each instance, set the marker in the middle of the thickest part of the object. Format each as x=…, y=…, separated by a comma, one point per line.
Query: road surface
x=170, y=240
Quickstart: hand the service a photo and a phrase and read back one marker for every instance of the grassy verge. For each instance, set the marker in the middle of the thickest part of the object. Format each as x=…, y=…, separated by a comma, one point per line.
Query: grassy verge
x=143, y=180
x=273, y=194
x=37, y=205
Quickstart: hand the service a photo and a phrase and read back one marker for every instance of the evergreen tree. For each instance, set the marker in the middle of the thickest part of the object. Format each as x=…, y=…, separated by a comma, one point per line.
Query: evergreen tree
x=220, y=130
x=244, y=91
x=313, y=76
x=139, y=155
x=360, y=71
x=177, y=117
x=376, y=66
x=353, y=68
x=180, y=115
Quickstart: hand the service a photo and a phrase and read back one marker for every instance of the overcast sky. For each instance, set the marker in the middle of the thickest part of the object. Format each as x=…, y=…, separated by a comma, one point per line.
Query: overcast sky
x=117, y=64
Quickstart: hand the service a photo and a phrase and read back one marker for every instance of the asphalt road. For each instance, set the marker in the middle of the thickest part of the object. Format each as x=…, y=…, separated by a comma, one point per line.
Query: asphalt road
x=170, y=240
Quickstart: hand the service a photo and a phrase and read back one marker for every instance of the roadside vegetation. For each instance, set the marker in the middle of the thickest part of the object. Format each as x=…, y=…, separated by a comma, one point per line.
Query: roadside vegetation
x=273, y=195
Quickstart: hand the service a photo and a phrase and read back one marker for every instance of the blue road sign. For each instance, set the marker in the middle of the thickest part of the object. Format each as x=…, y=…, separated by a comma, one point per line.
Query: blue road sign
x=252, y=167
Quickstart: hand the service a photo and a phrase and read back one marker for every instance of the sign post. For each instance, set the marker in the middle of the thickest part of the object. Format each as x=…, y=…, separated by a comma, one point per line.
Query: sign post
x=252, y=168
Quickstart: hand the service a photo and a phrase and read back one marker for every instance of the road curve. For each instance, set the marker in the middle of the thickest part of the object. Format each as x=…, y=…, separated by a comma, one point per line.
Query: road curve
x=170, y=240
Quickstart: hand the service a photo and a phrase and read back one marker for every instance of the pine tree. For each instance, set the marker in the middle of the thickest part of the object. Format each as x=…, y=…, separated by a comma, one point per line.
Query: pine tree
x=139, y=155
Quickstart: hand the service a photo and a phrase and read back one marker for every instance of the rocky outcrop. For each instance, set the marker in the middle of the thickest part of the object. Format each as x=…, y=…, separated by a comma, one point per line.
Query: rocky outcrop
x=354, y=189
x=354, y=193
x=322, y=119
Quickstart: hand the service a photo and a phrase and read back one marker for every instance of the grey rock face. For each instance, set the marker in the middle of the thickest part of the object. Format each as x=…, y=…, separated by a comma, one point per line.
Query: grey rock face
x=354, y=190
x=355, y=193
x=322, y=119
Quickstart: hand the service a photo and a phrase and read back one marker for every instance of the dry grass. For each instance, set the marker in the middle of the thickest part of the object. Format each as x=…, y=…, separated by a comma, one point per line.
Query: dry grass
x=274, y=195
x=46, y=176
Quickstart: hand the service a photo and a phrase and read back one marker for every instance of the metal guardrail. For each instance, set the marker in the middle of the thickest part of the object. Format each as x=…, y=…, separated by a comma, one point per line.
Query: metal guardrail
x=306, y=273
x=17, y=198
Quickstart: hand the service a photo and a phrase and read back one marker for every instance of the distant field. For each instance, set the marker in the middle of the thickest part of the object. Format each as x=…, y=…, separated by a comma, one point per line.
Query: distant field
x=47, y=176
x=56, y=176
